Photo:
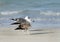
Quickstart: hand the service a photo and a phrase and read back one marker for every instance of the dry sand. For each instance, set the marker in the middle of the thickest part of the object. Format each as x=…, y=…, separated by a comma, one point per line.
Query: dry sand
x=38, y=35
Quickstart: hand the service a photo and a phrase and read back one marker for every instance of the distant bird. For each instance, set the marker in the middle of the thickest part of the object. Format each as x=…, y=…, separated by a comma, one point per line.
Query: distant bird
x=24, y=23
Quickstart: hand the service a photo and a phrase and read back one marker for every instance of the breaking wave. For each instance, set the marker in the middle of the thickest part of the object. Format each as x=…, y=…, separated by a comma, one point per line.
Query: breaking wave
x=37, y=15
x=51, y=13
x=9, y=12
x=41, y=12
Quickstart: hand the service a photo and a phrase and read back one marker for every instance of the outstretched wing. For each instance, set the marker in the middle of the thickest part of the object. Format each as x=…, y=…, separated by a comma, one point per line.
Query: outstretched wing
x=19, y=21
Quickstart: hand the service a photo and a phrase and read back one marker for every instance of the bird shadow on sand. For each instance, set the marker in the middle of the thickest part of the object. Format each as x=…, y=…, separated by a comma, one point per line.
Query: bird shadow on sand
x=37, y=30
x=40, y=31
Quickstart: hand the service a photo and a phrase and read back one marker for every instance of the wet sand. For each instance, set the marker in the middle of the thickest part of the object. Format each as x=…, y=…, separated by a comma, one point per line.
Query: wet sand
x=36, y=35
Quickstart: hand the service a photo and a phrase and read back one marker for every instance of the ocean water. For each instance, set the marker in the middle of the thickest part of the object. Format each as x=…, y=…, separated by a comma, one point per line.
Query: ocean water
x=45, y=13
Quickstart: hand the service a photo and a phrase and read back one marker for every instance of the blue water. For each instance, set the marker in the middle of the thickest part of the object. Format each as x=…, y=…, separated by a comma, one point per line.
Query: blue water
x=45, y=13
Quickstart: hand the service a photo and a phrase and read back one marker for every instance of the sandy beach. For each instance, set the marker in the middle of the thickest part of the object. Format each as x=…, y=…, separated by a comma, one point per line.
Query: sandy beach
x=36, y=35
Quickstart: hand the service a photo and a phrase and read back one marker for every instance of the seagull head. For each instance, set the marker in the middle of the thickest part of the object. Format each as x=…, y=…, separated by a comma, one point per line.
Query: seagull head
x=28, y=19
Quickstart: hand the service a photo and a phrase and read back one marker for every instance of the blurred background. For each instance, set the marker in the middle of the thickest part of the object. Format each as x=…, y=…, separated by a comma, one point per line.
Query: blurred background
x=45, y=13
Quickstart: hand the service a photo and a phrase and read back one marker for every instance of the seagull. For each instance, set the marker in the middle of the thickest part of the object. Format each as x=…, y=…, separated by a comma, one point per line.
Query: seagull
x=24, y=23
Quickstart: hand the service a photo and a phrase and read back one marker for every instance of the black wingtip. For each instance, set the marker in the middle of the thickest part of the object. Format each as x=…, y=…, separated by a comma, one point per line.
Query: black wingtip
x=19, y=29
x=15, y=23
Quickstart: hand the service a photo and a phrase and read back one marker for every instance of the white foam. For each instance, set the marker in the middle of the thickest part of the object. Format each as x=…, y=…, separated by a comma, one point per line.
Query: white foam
x=9, y=12
x=51, y=13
